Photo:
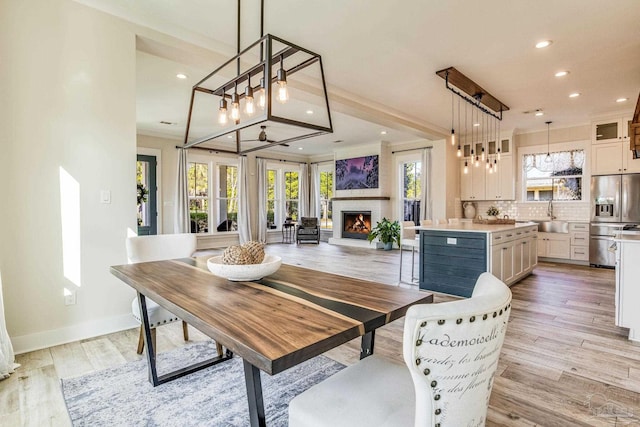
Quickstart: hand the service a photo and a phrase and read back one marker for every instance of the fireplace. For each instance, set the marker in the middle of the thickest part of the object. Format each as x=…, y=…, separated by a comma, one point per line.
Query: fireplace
x=356, y=224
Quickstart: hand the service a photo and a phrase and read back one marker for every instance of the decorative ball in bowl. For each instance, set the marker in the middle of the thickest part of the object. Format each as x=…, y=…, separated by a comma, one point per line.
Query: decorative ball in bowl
x=244, y=272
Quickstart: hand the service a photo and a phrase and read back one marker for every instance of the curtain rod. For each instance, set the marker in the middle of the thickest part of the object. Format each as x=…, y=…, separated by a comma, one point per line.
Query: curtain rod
x=319, y=163
x=280, y=160
x=412, y=149
x=211, y=150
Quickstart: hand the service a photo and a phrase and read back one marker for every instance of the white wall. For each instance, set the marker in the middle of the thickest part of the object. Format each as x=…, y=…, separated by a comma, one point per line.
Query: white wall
x=68, y=102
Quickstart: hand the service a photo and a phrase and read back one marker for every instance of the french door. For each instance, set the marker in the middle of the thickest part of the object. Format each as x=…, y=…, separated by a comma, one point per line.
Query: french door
x=147, y=195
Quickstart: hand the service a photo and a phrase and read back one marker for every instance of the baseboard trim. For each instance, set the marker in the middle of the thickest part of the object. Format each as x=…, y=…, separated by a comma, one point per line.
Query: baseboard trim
x=81, y=331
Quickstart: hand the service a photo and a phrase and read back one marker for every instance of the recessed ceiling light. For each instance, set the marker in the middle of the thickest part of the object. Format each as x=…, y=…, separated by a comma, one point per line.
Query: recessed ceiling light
x=574, y=95
x=309, y=112
x=384, y=132
x=229, y=136
x=622, y=99
x=543, y=43
x=181, y=76
x=299, y=148
x=476, y=124
x=539, y=113
x=562, y=73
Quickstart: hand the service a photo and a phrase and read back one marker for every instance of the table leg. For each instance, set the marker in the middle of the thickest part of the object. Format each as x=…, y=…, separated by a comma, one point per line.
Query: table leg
x=366, y=348
x=156, y=379
x=254, y=395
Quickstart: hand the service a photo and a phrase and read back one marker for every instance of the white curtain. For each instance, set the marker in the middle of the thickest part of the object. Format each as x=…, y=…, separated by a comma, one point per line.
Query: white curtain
x=314, y=194
x=262, y=199
x=182, y=222
x=303, y=191
x=7, y=357
x=244, y=222
x=425, y=202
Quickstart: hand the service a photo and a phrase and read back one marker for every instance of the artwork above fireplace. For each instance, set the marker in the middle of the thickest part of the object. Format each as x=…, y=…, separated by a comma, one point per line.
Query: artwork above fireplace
x=356, y=224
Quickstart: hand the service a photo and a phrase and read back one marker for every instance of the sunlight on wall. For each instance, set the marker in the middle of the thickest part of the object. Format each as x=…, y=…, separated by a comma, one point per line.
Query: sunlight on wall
x=70, y=219
x=131, y=233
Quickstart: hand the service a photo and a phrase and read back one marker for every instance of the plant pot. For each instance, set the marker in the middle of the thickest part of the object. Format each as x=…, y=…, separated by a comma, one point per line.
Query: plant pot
x=388, y=246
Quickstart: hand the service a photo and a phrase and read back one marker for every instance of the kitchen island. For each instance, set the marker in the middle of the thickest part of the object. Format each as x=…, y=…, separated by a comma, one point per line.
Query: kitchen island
x=452, y=256
x=627, y=284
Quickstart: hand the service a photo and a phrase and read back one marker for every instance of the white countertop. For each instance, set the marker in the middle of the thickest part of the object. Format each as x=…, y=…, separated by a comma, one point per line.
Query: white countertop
x=475, y=228
x=627, y=237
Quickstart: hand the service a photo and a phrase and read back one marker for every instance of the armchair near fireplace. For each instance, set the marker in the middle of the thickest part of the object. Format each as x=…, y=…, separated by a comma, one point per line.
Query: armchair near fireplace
x=308, y=230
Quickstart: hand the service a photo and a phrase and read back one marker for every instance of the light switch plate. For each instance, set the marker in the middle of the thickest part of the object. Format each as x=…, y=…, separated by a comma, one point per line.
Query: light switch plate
x=105, y=196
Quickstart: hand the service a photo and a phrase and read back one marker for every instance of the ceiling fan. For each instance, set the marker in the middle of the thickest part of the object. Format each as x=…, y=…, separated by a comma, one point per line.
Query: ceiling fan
x=262, y=137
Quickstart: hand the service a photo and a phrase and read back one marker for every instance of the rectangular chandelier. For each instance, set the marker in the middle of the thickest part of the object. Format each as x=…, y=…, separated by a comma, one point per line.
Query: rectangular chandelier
x=271, y=93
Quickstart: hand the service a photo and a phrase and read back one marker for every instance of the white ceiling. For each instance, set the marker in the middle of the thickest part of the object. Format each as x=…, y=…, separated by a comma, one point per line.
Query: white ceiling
x=383, y=55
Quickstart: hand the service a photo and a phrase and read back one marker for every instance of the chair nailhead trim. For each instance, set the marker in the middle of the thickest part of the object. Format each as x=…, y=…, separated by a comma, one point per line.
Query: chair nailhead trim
x=458, y=321
x=426, y=371
x=423, y=324
x=438, y=411
x=418, y=342
x=436, y=397
x=437, y=425
x=434, y=383
x=500, y=312
x=418, y=361
x=484, y=317
x=472, y=319
x=441, y=322
x=495, y=314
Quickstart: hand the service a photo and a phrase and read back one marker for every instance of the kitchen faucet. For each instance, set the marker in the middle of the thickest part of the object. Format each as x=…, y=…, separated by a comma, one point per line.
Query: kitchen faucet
x=550, y=210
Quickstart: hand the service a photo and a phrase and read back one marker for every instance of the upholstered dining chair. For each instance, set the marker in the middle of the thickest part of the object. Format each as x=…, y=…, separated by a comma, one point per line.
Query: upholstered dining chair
x=155, y=248
x=409, y=238
x=425, y=222
x=451, y=353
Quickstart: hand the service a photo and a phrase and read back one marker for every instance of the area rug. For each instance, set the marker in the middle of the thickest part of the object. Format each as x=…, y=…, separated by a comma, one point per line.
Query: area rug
x=216, y=396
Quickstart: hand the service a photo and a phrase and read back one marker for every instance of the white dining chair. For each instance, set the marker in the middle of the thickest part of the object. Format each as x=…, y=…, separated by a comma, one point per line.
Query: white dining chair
x=451, y=353
x=425, y=222
x=156, y=248
x=409, y=238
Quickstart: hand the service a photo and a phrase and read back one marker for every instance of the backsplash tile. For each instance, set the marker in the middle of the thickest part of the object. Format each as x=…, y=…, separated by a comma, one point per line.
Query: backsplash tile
x=569, y=211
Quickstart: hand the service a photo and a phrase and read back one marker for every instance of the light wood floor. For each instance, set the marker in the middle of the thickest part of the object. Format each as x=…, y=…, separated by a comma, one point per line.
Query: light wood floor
x=564, y=362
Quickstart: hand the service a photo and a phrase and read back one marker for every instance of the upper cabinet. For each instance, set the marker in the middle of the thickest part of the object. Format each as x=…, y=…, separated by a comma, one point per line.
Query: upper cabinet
x=612, y=130
x=610, y=150
x=478, y=183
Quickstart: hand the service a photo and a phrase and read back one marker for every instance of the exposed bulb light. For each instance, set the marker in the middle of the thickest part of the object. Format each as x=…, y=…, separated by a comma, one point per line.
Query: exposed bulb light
x=235, y=107
x=476, y=125
x=459, y=152
x=222, y=111
x=483, y=155
x=495, y=165
x=561, y=73
x=466, y=167
x=477, y=162
x=487, y=164
x=309, y=112
x=453, y=137
x=249, y=106
x=498, y=157
x=574, y=95
x=281, y=79
x=542, y=44
x=383, y=132
x=622, y=99
x=261, y=95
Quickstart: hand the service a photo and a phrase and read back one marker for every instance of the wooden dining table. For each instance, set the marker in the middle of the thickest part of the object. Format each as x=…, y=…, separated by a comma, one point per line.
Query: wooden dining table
x=273, y=323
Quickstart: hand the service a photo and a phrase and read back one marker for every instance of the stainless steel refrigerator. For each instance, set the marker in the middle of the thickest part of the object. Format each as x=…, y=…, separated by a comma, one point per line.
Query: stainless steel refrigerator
x=615, y=206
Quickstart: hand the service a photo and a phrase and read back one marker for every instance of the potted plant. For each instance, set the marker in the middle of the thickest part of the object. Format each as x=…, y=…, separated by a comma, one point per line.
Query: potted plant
x=492, y=212
x=387, y=232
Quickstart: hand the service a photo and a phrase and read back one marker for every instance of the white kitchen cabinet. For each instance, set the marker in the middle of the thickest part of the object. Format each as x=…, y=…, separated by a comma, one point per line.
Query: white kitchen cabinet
x=472, y=183
x=610, y=130
x=500, y=185
x=579, y=239
x=612, y=158
x=511, y=254
x=627, y=291
x=554, y=245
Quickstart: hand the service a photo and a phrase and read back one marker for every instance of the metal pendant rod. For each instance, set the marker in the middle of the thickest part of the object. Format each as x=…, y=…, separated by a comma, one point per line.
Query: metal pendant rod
x=474, y=102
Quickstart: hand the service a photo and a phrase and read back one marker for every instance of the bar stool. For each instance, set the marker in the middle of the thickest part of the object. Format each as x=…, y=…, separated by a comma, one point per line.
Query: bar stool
x=408, y=238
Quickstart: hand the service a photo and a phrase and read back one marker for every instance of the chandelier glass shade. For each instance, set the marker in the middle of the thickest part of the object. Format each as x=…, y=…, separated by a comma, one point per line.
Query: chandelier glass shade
x=228, y=108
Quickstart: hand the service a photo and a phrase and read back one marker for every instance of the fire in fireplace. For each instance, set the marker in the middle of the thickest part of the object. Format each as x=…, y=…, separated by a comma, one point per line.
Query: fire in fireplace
x=356, y=224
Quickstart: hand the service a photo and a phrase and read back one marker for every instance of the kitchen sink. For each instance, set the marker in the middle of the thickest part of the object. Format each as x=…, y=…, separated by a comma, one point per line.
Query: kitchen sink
x=553, y=226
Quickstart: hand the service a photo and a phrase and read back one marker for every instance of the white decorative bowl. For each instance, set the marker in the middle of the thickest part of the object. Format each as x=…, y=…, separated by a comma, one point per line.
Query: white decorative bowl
x=246, y=272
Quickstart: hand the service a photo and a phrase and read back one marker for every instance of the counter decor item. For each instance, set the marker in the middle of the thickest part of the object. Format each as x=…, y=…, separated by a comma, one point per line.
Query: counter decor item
x=242, y=263
x=492, y=212
x=387, y=232
x=469, y=210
